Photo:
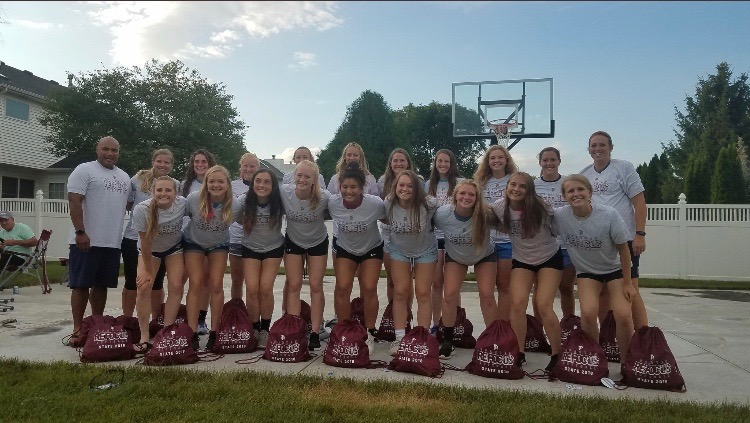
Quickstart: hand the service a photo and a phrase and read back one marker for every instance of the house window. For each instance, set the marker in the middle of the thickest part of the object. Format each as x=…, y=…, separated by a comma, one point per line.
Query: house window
x=57, y=191
x=17, y=187
x=16, y=109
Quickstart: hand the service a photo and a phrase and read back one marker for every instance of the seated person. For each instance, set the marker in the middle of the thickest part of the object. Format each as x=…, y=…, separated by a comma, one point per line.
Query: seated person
x=14, y=238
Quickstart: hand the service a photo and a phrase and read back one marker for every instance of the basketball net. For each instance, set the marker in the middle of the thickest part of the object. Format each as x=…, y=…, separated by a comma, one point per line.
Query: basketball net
x=502, y=131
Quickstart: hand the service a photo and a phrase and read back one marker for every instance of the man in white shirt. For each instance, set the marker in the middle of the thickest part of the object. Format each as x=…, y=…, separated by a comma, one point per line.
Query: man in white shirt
x=98, y=192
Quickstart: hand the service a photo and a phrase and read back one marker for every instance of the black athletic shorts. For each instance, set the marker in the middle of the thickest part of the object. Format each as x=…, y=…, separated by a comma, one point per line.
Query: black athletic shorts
x=316, y=250
x=375, y=253
x=607, y=277
x=250, y=254
x=554, y=262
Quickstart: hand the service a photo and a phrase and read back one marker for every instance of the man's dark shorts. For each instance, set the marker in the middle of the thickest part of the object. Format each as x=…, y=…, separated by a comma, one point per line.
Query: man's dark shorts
x=99, y=267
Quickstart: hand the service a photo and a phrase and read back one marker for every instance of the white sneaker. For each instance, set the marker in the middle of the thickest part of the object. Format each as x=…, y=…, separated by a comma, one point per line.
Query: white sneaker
x=394, y=347
x=262, y=339
x=370, y=343
x=202, y=328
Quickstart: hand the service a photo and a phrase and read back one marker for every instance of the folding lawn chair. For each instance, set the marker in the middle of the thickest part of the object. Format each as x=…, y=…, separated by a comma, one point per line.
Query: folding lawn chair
x=34, y=264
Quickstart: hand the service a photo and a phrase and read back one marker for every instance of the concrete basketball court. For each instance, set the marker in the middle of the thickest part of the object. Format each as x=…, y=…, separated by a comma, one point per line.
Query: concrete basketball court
x=708, y=332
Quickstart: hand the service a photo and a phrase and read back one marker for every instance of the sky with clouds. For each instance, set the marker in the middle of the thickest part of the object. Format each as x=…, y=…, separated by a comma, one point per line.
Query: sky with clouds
x=293, y=68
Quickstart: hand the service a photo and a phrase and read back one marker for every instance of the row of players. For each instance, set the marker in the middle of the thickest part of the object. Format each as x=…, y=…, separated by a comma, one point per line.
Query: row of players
x=510, y=245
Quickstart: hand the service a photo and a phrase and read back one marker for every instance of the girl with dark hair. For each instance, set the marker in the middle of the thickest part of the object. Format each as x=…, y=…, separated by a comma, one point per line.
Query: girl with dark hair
x=249, y=164
x=359, y=246
x=526, y=218
x=492, y=176
x=413, y=250
x=262, y=248
x=306, y=205
x=141, y=190
x=158, y=222
x=597, y=240
x=206, y=246
x=200, y=161
x=548, y=186
x=444, y=176
x=466, y=224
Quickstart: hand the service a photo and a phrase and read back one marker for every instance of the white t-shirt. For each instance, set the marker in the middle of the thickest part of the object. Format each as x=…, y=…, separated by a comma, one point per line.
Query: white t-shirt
x=208, y=233
x=137, y=196
x=615, y=186
x=410, y=240
x=441, y=196
x=169, y=232
x=552, y=192
x=304, y=226
x=371, y=187
x=262, y=237
x=459, y=243
x=106, y=194
x=592, y=240
x=494, y=189
x=235, y=229
x=358, y=228
x=535, y=250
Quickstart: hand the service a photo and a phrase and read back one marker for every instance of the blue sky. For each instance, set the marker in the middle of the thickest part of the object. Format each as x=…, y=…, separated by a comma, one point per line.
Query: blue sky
x=293, y=68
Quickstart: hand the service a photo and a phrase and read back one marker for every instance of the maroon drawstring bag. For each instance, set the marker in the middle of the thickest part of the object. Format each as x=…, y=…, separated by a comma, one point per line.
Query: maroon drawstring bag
x=463, y=330
x=418, y=353
x=131, y=326
x=567, y=325
x=347, y=346
x=287, y=340
x=157, y=323
x=107, y=340
x=306, y=315
x=581, y=360
x=649, y=363
x=387, y=329
x=235, y=334
x=172, y=345
x=496, y=353
x=357, y=311
x=608, y=338
x=535, y=339
x=79, y=340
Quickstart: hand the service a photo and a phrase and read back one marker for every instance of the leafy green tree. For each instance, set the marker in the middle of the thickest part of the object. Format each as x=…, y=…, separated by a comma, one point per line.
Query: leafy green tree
x=650, y=176
x=670, y=185
x=698, y=179
x=717, y=113
x=369, y=123
x=727, y=183
x=159, y=105
x=428, y=128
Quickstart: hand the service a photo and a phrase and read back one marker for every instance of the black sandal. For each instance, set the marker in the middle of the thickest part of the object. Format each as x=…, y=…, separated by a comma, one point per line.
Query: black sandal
x=142, y=348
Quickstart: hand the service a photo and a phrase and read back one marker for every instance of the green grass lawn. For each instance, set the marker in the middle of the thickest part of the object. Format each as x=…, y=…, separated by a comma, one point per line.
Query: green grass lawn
x=56, y=273
x=60, y=392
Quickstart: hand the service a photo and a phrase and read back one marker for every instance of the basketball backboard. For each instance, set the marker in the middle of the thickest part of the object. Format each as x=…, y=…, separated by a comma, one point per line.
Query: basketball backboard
x=479, y=105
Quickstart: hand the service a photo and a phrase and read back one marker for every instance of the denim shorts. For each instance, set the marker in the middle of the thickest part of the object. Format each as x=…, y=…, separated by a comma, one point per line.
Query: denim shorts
x=235, y=250
x=190, y=247
x=504, y=250
x=566, y=259
x=428, y=257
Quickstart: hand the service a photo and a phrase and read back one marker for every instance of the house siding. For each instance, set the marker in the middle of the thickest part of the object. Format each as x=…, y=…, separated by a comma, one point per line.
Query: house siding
x=22, y=142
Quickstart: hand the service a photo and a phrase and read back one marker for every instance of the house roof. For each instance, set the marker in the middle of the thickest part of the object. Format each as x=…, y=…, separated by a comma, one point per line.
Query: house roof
x=25, y=82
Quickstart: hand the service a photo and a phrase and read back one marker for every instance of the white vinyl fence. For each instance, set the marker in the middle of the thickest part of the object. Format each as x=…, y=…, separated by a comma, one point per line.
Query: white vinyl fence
x=684, y=241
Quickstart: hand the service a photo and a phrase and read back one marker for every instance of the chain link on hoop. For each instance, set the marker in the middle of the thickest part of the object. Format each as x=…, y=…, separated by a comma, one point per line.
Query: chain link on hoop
x=502, y=131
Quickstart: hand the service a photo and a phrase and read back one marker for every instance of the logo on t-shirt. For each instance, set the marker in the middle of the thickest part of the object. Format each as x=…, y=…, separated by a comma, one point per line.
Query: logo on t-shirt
x=113, y=185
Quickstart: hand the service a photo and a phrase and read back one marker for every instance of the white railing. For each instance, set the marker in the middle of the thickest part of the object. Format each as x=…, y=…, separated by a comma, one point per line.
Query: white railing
x=684, y=241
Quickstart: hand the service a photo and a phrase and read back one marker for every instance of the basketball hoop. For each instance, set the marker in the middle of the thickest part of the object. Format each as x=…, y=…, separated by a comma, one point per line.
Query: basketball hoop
x=502, y=131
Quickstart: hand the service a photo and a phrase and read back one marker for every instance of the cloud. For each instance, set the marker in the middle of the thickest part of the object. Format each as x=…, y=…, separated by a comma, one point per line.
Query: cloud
x=33, y=25
x=165, y=30
x=303, y=60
